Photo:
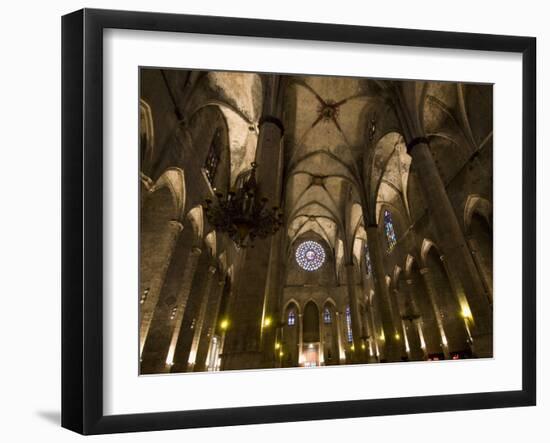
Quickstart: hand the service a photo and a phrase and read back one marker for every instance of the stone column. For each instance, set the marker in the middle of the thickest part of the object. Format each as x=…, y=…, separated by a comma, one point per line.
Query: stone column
x=183, y=297
x=425, y=272
x=371, y=332
x=249, y=318
x=341, y=352
x=150, y=290
x=487, y=276
x=273, y=300
x=188, y=323
x=242, y=347
x=411, y=319
x=359, y=354
x=321, y=337
x=452, y=242
x=397, y=321
x=375, y=334
x=392, y=349
x=205, y=296
x=209, y=328
x=156, y=351
x=300, y=338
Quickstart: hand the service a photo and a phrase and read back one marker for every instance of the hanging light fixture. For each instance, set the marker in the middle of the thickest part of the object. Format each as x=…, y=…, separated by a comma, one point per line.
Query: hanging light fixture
x=242, y=213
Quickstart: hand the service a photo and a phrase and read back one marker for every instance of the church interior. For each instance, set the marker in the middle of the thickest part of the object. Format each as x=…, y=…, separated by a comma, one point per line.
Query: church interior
x=307, y=221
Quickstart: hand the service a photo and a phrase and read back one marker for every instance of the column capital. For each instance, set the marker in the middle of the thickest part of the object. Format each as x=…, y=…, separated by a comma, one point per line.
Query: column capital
x=416, y=141
x=212, y=269
x=274, y=121
x=177, y=224
x=424, y=270
x=196, y=250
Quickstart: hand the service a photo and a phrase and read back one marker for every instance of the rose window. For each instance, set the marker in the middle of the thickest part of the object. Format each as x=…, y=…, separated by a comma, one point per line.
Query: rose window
x=310, y=255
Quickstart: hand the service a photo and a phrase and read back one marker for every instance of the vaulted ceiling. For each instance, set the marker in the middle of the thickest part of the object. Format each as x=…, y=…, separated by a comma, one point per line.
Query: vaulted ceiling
x=343, y=147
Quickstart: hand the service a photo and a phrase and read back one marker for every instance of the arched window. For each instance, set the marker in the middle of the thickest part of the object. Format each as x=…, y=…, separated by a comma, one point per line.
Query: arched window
x=368, y=263
x=389, y=230
x=291, y=318
x=213, y=157
x=310, y=255
x=327, y=316
x=348, y=325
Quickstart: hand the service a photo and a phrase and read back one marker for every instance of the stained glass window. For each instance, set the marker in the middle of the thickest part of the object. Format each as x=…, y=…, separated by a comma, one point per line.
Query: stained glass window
x=327, y=316
x=213, y=158
x=368, y=263
x=390, y=231
x=348, y=325
x=310, y=255
x=291, y=318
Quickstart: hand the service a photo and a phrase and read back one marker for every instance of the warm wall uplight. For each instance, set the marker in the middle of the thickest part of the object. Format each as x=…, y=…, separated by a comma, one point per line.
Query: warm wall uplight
x=466, y=313
x=277, y=345
x=363, y=347
x=352, y=348
x=267, y=322
x=382, y=337
x=281, y=354
x=224, y=325
x=422, y=341
x=397, y=336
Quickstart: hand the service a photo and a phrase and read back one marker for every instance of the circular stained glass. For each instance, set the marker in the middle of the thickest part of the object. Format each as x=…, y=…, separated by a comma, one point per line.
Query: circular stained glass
x=310, y=255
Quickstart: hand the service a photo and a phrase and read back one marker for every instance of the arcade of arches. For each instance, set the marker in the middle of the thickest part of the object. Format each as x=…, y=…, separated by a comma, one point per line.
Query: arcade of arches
x=383, y=251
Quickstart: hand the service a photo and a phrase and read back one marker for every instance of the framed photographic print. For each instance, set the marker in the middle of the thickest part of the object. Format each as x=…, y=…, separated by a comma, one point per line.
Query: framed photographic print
x=271, y=221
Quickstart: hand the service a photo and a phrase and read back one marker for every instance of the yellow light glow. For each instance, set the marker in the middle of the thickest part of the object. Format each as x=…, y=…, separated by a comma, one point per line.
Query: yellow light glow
x=224, y=324
x=397, y=336
x=382, y=337
x=352, y=347
x=363, y=347
x=466, y=313
x=277, y=345
x=281, y=354
x=267, y=321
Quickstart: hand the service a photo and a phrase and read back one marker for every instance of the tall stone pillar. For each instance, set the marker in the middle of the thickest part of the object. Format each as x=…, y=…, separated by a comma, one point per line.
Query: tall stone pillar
x=425, y=272
x=150, y=290
x=358, y=355
x=156, y=357
x=411, y=319
x=300, y=338
x=209, y=327
x=371, y=333
x=242, y=347
x=249, y=319
x=188, y=324
x=341, y=347
x=183, y=297
x=486, y=274
x=397, y=320
x=273, y=300
x=393, y=349
x=452, y=242
x=374, y=333
x=205, y=296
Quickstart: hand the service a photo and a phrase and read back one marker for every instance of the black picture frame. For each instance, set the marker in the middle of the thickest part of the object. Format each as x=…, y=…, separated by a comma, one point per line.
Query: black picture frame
x=82, y=219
